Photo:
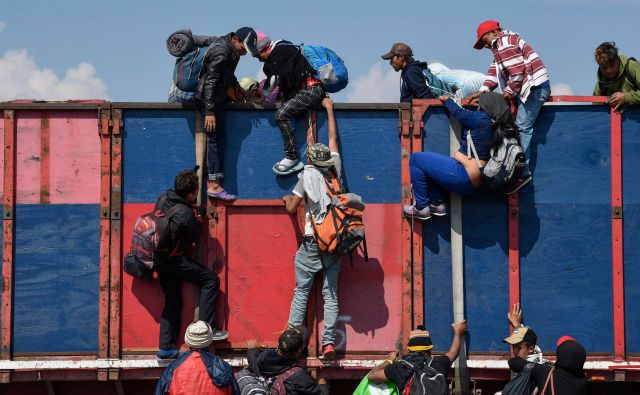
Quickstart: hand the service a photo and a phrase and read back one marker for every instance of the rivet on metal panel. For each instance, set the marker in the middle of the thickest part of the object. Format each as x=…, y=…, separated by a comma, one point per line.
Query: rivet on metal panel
x=616, y=212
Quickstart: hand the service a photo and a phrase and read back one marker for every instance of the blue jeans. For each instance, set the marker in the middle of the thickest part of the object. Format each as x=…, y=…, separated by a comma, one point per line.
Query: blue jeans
x=215, y=147
x=527, y=114
x=432, y=173
x=309, y=261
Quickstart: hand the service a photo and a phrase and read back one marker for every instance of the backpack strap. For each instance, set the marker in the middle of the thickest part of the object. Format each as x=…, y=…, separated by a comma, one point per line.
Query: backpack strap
x=546, y=383
x=471, y=147
x=282, y=377
x=630, y=77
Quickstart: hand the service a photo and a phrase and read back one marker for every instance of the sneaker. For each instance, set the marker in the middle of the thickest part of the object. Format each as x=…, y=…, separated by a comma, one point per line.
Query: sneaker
x=518, y=185
x=222, y=195
x=219, y=335
x=411, y=211
x=438, y=209
x=328, y=353
x=164, y=355
x=282, y=169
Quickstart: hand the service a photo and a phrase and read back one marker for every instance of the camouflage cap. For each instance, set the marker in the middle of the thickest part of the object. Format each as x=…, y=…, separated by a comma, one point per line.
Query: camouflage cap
x=319, y=155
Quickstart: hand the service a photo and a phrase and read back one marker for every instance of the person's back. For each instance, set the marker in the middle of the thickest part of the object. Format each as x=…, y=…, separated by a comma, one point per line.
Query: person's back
x=198, y=371
x=414, y=83
x=184, y=229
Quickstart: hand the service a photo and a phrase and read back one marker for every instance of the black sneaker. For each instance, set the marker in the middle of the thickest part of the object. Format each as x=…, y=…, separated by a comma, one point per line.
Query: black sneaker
x=518, y=185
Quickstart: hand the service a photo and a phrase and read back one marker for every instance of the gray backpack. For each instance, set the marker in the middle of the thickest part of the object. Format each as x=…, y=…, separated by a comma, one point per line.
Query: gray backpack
x=505, y=165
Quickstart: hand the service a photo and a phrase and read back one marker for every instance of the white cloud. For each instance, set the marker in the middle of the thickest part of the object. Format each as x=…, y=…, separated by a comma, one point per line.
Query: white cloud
x=3, y=25
x=561, y=89
x=22, y=78
x=378, y=86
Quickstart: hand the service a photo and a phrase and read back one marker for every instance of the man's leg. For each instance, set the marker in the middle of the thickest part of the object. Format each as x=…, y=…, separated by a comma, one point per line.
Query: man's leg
x=304, y=101
x=209, y=283
x=215, y=158
x=526, y=118
x=330, y=272
x=170, y=319
x=307, y=264
x=430, y=172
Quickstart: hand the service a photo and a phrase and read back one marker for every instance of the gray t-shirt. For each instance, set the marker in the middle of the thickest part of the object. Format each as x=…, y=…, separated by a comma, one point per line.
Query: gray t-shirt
x=311, y=207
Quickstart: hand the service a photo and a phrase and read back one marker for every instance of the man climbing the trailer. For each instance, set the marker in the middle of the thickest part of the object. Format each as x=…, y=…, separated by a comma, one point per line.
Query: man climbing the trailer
x=618, y=77
x=312, y=190
x=174, y=266
x=519, y=72
x=419, y=368
x=216, y=79
x=286, y=67
x=413, y=75
x=280, y=366
x=198, y=371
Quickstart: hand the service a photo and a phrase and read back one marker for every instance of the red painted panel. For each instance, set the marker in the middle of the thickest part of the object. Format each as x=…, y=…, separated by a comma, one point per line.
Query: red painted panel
x=259, y=279
x=370, y=293
x=1, y=159
x=73, y=168
x=142, y=302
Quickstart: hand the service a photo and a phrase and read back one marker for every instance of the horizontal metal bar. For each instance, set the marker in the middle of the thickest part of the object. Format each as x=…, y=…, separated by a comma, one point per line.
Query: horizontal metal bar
x=252, y=106
x=51, y=106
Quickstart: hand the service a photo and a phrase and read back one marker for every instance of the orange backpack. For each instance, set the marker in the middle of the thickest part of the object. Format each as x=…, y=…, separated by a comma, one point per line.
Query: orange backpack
x=342, y=229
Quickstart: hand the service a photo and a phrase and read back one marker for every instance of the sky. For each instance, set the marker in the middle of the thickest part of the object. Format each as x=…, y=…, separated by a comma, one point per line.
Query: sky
x=72, y=49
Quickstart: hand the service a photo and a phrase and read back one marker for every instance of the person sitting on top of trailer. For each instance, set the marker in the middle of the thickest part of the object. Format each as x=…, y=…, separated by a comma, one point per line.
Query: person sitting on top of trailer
x=198, y=371
x=414, y=83
x=618, y=77
x=280, y=366
x=419, y=367
x=432, y=173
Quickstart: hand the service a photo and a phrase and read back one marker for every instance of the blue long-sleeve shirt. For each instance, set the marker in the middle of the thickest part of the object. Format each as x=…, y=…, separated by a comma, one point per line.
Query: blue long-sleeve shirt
x=476, y=122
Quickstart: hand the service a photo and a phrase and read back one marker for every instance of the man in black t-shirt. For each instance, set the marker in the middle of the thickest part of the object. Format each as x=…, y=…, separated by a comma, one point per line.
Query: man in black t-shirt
x=419, y=347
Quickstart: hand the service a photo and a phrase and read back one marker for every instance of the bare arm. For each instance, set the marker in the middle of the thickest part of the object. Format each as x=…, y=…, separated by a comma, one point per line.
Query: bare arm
x=333, y=128
x=291, y=203
x=459, y=328
x=377, y=374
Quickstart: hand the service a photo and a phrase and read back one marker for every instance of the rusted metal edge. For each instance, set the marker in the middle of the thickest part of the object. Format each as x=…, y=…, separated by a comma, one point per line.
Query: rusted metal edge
x=115, y=239
x=252, y=106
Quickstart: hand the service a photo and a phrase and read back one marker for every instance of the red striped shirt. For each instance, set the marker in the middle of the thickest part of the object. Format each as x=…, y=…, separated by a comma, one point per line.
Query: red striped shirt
x=518, y=65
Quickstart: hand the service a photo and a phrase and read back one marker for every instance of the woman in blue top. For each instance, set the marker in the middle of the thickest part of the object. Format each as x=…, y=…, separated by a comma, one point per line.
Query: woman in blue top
x=432, y=173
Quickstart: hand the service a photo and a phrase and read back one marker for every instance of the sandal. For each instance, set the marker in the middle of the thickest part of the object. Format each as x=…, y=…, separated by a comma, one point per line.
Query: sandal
x=283, y=170
x=222, y=195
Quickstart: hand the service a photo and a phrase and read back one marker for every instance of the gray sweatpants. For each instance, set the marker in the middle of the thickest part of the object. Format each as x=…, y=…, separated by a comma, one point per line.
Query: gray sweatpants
x=310, y=260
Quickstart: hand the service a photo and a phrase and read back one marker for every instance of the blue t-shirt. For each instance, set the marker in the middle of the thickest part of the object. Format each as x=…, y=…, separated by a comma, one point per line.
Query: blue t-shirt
x=476, y=122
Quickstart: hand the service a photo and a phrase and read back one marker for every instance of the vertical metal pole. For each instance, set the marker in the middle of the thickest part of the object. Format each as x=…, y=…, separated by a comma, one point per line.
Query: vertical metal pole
x=201, y=150
x=104, y=130
x=457, y=268
x=115, y=277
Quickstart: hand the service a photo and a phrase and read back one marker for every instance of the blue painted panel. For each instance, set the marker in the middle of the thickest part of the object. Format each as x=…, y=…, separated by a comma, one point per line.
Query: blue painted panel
x=631, y=223
x=56, y=273
x=565, y=229
x=436, y=131
x=156, y=146
x=370, y=150
x=485, y=235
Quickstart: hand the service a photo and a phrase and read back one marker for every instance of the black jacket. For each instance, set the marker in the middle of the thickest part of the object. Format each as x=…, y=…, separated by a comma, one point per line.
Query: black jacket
x=217, y=75
x=268, y=363
x=414, y=84
x=184, y=228
x=290, y=68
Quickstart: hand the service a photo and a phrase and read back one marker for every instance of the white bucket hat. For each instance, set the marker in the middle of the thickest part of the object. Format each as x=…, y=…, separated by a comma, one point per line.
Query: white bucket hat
x=198, y=335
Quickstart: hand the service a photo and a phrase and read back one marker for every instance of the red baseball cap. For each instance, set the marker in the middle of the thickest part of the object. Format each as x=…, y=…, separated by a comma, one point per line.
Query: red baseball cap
x=564, y=339
x=484, y=28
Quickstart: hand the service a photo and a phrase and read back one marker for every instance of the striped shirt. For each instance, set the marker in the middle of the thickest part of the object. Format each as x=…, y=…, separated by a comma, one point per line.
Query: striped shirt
x=518, y=65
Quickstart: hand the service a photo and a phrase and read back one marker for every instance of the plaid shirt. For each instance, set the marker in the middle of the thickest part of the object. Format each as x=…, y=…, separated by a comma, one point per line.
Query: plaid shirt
x=519, y=66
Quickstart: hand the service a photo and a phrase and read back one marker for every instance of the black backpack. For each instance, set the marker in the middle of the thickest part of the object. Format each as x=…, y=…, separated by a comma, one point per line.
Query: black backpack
x=425, y=380
x=521, y=384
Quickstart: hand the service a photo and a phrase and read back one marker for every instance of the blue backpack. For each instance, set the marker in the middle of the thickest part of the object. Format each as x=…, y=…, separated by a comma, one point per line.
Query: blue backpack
x=187, y=69
x=330, y=68
x=435, y=84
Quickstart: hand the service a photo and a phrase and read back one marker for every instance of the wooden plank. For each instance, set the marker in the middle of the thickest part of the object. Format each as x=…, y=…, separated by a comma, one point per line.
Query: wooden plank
x=115, y=270
x=201, y=156
x=105, y=231
x=8, y=202
x=617, y=247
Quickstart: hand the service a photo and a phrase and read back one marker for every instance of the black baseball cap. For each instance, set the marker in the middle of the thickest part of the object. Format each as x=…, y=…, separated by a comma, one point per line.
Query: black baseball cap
x=249, y=38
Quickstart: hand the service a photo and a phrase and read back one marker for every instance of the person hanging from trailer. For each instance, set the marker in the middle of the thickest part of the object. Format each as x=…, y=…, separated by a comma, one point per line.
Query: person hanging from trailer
x=286, y=67
x=214, y=83
x=175, y=266
x=432, y=174
x=419, y=372
x=417, y=80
